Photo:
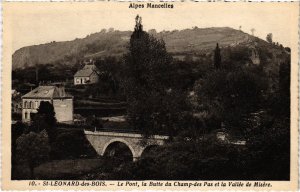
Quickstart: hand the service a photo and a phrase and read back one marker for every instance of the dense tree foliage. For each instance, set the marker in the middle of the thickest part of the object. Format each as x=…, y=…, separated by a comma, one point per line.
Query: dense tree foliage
x=229, y=96
x=110, y=78
x=45, y=119
x=269, y=38
x=71, y=144
x=32, y=149
x=201, y=159
x=43, y=73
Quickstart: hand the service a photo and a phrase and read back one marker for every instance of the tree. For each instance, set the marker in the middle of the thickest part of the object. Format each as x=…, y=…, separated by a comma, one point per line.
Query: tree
x=229, y=96
x=287, y=49
x=153, y=105
x=252, y=31
x=16, y=131
x=47, y=109
x=269, y=37
x=152, y=31
x=110, y=30
x=94, y=122
x=103, y=31
x=238, y=55
x=45, y=119
x=32, y=149
x=217, y=57
x=284, y=87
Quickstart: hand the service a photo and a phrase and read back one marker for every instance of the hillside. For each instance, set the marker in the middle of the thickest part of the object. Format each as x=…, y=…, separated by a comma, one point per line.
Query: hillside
x=114, y=43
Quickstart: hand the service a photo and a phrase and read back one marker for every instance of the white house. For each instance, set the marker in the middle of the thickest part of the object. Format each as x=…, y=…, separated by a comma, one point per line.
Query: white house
x=88, y=75
x=56, y=95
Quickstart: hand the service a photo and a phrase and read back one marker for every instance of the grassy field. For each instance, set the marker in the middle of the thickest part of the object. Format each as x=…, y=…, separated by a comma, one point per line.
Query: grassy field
x=67, y=169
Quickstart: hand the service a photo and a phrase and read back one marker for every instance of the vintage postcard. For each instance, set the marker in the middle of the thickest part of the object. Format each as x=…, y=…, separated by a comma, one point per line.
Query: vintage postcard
x=150, y=96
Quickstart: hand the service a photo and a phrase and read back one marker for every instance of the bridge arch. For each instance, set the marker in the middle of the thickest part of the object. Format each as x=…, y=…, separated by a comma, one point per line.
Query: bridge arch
x=121, y=141
x=102, y=140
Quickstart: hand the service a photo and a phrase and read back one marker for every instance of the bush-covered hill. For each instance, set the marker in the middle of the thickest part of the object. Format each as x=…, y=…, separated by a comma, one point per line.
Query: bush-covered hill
x=194, y=41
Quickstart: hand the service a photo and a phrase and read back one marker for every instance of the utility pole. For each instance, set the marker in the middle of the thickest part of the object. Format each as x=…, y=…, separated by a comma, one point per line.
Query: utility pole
x=36, y=75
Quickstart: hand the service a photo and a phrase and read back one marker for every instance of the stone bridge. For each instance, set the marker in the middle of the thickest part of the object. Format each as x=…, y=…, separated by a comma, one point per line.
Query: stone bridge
x=101, y=140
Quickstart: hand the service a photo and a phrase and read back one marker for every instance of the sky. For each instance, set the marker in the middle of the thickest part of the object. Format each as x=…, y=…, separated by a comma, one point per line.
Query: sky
x=43, y=23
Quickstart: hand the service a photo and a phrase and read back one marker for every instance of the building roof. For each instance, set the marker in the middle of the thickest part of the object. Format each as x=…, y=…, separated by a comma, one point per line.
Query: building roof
x=84, y=73
x=87, y=71
x=47, y=92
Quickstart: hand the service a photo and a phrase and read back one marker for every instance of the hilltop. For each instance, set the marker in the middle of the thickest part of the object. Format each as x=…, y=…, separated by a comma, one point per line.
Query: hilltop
x=194, y=41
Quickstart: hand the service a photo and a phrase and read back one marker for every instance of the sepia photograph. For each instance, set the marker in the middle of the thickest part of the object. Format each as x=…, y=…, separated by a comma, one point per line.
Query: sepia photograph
x=159, y=91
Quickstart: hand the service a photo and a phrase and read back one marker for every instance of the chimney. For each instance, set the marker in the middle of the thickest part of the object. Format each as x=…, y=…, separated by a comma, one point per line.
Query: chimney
x=61, y=91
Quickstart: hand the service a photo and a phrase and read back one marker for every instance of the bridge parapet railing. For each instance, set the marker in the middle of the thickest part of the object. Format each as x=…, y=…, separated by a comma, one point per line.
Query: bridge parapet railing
x=115, y=133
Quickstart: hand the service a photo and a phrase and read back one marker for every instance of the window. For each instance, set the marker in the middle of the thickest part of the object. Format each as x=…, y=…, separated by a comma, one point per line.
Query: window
x=25, y=104
x=31, y=105
x=26, y=115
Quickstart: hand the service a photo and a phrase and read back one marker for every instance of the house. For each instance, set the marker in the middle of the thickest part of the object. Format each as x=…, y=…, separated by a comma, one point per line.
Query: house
x=16, y=102
x=88, y=75
x=56, y=95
